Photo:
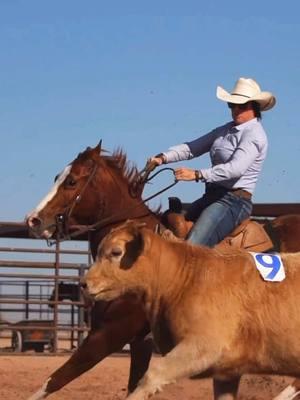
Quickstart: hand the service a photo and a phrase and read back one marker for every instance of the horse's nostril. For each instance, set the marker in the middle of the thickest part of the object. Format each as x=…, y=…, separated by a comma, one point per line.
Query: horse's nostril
x=34, y=222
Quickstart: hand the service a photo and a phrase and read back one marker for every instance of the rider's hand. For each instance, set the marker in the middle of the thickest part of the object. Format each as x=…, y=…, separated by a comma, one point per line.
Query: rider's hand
x=185, y=174
x=155, y=161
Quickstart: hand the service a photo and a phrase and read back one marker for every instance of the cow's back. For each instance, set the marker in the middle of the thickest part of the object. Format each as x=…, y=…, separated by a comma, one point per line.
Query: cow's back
x=255, y=323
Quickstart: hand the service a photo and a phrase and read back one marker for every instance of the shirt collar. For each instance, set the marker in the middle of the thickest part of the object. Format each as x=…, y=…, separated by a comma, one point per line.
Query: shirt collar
x=240, y=127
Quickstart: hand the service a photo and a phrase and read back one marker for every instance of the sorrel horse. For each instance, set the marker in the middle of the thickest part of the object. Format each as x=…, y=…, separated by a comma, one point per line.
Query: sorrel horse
x=100, y=190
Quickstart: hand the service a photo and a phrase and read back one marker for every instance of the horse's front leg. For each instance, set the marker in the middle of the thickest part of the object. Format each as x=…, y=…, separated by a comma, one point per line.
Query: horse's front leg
x=140, y=351
x=123, y=322
x=98, y=345
x=226, y=390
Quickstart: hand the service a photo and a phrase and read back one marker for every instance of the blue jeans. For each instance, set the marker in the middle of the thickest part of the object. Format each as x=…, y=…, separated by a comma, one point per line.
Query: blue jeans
x=220, y=213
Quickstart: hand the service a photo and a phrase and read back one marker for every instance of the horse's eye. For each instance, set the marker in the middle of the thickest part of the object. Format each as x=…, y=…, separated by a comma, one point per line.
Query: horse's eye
x=70, y=181
x=55, y=179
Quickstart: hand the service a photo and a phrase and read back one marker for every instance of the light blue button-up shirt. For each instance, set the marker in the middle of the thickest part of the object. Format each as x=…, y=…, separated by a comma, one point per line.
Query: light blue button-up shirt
x=237, y=153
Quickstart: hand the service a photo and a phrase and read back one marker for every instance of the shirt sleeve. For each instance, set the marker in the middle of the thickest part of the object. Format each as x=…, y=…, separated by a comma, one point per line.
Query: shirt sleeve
x=241, y=159
x=203, y=144
x=189, y=150
x=179, y=152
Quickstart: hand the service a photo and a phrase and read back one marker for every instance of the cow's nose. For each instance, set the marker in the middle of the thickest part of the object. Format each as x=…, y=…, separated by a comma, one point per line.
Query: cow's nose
x=34, y=222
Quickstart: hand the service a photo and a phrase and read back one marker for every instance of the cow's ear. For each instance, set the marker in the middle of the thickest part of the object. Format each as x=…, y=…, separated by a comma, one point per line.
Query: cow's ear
x=133, y=250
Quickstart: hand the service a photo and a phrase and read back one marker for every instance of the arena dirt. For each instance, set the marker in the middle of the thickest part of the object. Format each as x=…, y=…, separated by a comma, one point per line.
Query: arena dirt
x=21, y=376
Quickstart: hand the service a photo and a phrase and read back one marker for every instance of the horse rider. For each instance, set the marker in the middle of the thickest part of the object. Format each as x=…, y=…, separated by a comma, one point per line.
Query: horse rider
x=237, y=152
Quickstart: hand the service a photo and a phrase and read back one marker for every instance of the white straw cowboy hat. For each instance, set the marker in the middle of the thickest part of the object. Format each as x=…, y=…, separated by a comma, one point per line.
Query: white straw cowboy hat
x=245, y=90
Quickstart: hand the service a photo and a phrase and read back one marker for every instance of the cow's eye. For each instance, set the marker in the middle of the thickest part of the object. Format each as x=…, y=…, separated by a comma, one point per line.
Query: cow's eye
x=116, y=251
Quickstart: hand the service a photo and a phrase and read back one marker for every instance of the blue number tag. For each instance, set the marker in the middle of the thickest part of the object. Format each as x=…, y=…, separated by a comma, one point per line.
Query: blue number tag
x=270, y=266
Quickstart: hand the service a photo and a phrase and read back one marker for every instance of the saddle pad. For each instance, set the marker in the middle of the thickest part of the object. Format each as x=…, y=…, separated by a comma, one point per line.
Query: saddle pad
x=269, y=266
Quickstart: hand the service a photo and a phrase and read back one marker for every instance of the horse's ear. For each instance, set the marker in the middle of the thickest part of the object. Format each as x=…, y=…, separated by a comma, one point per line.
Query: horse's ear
x=98, y=148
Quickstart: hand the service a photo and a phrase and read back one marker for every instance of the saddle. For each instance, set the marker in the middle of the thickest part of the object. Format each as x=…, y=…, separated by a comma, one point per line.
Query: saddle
x=249, y=235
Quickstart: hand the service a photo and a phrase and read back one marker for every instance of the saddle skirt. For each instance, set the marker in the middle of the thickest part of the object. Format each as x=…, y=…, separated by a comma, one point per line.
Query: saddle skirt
x=249, y=235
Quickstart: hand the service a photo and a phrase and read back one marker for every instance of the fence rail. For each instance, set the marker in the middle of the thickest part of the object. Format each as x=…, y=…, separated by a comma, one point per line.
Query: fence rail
x=33, y=316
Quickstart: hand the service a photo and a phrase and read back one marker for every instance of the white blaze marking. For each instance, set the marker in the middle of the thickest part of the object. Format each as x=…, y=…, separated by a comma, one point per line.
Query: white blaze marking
x=53, y=190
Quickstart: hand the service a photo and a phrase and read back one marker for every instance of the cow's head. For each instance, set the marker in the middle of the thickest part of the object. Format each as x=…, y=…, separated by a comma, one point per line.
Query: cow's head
x=120, y=264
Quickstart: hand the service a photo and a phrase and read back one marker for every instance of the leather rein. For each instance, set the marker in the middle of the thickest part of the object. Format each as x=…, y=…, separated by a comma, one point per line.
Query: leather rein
x=62, y=220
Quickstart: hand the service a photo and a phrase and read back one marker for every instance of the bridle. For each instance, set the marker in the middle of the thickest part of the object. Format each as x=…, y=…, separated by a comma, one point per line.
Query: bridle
x=78, y=198
x=62, y=220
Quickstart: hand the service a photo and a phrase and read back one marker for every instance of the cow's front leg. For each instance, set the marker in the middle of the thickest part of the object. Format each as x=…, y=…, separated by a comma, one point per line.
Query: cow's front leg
x=185, y=360
x=226, y=390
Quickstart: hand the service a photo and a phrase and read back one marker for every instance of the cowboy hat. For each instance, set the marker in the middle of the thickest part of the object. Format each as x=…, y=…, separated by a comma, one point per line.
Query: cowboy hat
x=245, y=90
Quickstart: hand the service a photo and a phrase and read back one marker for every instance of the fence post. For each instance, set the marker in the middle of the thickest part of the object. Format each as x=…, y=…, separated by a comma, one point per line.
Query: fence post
x=55, y=310
x=81, y=310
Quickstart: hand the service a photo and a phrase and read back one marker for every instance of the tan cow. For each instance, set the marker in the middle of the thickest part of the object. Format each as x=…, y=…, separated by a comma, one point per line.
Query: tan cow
x=211, y=313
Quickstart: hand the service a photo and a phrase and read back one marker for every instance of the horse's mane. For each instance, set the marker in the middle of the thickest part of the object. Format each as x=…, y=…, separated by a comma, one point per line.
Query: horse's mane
x=118, y=161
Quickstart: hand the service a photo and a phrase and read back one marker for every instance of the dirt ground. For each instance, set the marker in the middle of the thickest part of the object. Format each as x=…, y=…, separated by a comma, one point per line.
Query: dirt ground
x=21, y=376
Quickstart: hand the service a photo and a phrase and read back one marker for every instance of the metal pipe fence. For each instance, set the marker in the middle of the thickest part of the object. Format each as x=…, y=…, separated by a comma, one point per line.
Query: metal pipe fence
x=34, y=314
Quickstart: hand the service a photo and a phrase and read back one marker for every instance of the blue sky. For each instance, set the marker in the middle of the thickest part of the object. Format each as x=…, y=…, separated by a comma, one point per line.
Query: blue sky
x=141, y=76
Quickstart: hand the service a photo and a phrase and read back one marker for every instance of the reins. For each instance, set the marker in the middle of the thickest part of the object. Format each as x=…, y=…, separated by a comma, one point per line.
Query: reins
x=142, y=179
x=147, y=180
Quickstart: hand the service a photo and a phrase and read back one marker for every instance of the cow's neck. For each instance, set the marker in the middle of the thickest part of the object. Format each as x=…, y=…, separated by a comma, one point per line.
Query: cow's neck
x=169, y=270
x=172, y=268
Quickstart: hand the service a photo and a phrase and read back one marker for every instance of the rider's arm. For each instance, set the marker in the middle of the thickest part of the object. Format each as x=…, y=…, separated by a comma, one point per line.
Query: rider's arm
x=195, y=148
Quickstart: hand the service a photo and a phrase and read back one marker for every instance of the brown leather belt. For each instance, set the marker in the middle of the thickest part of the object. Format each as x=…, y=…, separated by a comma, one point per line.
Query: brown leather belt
x=217, y=191
x=242, y=193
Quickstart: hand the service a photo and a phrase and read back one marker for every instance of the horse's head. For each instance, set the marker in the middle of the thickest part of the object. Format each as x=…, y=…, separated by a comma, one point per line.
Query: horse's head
x=65, y=292
x=70, y=291
x=90, y=188
x=72, y=188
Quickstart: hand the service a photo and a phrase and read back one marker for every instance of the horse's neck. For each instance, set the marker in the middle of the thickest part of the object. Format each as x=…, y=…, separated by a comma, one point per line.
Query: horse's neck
x=141, y=213
x=137, y=210
x=119, y=206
